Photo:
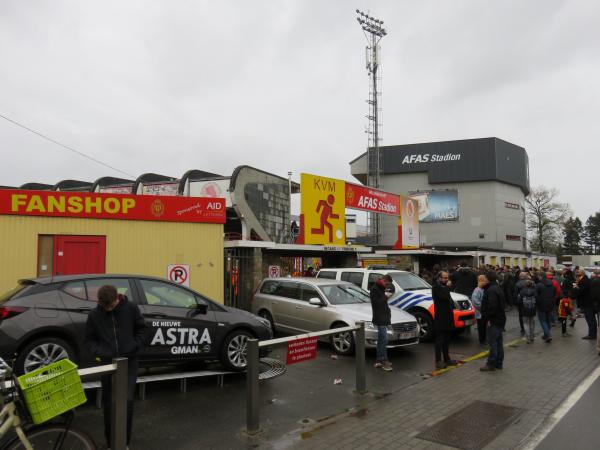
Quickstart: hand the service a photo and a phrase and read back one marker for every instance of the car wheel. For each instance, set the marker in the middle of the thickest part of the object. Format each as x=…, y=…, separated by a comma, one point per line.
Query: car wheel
x=342, y=343
x=267, y=315
x=43, y=351
x=234, y=354
x=425, y=325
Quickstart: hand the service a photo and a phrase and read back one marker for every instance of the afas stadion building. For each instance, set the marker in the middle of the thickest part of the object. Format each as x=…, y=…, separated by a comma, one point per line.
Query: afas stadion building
x=49, y=233
x=471, y=196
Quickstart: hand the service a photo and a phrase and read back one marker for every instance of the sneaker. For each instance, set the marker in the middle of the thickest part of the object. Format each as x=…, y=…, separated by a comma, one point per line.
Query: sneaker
x=452, y=362
x=378, y=365
x=588, y=338
x=487, y=369
x=440, y=365
x=387, y=366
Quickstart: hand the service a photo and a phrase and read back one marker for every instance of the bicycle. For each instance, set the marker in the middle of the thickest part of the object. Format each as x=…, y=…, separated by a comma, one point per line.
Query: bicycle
x=14, y=415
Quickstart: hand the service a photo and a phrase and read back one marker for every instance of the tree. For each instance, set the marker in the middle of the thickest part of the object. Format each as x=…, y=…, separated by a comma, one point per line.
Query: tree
x=545, y=218
x=572, y=232
x=592, y=234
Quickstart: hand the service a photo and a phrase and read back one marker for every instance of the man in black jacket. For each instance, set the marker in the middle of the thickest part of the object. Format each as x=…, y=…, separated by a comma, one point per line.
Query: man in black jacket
x=443, y=321
x=584, y=301
x=382, y=317
x=546, y=299
x=492, y=312
x=115, y=328
x=595, y=297
x=464, y=280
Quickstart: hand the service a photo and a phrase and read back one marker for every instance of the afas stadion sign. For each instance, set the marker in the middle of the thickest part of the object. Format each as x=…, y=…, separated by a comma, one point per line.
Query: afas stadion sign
x=112, y=206
x=367, y=199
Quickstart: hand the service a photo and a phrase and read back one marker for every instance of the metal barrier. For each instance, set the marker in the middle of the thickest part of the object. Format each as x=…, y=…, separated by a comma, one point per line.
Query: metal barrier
x=252, y=378
x=118, y=371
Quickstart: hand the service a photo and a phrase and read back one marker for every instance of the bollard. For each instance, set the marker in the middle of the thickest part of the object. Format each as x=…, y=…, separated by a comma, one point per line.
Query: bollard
x=252, y=391
x=360, y=359
x=119, y=405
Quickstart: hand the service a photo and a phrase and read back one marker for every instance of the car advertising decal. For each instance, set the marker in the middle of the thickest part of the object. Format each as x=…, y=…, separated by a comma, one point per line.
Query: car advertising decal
x=183, y=341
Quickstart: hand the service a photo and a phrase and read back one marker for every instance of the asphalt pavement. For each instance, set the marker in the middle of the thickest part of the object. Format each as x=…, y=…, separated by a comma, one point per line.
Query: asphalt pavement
x=296, y=406
x=580, y=427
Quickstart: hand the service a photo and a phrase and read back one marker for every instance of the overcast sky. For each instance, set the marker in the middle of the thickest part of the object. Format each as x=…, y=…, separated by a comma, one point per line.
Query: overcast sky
x=167, y=86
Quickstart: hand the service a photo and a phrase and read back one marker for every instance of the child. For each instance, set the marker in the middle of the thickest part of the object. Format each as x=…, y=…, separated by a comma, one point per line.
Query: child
x=565, y=311
x=527, y=301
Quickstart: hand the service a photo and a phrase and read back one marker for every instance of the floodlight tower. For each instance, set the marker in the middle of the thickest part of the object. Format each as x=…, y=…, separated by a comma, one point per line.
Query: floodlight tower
x=374, y=32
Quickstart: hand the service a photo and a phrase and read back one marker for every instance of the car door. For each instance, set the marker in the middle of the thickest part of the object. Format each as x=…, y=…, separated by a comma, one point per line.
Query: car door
x=289, y=306
x=314, y=318
x=177, y=328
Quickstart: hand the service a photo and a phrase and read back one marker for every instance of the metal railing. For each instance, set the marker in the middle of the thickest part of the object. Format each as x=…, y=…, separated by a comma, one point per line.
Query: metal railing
x=252, y=381
x=118, y=371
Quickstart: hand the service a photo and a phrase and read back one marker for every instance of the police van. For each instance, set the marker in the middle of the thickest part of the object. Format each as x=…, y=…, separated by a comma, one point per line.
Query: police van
x=413, y=294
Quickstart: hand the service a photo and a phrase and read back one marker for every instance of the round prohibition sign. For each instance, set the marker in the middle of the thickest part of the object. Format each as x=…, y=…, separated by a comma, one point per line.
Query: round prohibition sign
x=178, y=274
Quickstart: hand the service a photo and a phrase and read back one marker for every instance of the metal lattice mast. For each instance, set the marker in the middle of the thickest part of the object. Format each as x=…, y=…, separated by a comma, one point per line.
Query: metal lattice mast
x=374, y=32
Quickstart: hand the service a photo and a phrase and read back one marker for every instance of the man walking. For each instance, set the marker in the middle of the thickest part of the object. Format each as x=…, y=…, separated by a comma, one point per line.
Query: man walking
x=443, y=321
x=382, y=317
x=524, y=280
x=546, y=298
x=492, y=312
x=115, y=328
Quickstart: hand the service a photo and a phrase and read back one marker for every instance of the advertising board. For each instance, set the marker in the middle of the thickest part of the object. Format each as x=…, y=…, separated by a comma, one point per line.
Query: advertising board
x=323, y=210
x=437, y=206
x=212, y=188
x=373, y=200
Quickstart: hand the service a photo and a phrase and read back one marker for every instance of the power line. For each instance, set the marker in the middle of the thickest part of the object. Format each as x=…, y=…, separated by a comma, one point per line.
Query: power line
x=14, y=122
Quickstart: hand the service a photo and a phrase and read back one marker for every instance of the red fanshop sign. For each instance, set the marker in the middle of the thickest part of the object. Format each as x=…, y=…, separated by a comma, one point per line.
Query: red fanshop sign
x=112, y=206
x=367, y=199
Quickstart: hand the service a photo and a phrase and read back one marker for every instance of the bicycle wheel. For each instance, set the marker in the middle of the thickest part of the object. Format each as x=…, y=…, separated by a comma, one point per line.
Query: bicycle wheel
x=44, y=438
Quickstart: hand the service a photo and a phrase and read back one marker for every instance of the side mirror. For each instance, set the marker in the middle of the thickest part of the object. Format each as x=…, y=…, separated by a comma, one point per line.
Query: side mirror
x=315, y=302
x=202, y=308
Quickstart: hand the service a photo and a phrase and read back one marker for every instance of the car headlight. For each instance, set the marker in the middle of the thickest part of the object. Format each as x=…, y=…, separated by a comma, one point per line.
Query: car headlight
x=370, y=326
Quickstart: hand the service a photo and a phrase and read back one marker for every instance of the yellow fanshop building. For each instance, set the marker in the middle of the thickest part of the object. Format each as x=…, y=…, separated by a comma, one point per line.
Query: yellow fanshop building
x=45, y=233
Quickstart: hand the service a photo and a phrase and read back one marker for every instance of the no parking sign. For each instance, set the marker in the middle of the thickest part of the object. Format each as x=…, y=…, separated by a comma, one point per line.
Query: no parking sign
x=179, y=273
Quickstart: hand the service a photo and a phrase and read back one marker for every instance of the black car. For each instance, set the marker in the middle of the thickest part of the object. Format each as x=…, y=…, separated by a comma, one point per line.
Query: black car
x=43, y=320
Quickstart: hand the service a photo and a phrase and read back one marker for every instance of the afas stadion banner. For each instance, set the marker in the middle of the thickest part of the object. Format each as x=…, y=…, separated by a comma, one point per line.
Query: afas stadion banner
x=368, y=199
x=112, y=206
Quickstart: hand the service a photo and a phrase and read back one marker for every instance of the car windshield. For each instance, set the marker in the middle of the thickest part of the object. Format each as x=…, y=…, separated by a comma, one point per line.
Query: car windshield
x=342, y=294
x=409, y=281
x=8, y=295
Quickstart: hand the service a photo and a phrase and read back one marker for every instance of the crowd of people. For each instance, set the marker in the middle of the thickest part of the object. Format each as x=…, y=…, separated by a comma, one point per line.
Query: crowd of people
x=554, y=297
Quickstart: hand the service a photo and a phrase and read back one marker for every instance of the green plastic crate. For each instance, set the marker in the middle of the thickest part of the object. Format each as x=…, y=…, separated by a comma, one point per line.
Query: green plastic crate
x=52, y=390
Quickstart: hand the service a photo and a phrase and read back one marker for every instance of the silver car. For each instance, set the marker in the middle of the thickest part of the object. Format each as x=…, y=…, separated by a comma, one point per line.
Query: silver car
x=301, y=305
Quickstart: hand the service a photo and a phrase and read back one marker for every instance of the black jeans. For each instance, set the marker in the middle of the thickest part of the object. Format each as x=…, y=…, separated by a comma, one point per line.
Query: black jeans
x=521, y=319
x=132, y=372
x=496, y=356
x=590, y=318
x=481, y=330
x=442, y=338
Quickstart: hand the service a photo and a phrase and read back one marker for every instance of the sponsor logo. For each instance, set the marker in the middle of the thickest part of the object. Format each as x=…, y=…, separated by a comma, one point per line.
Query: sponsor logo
x=157, y=208
x=426, y=157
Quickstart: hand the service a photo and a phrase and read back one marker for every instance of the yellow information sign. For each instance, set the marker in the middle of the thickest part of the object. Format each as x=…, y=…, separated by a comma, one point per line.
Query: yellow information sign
x=323, y=208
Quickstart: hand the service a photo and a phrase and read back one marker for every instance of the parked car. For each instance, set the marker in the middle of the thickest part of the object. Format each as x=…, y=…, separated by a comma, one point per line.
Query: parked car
x=413, y=294
x=301, y=305
x=43, y=320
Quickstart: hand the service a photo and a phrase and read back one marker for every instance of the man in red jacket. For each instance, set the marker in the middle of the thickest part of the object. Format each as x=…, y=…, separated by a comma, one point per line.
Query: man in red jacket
x=558, y=296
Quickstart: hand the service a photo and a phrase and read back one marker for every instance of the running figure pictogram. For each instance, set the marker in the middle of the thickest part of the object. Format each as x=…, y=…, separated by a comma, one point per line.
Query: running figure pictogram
x=326, y=213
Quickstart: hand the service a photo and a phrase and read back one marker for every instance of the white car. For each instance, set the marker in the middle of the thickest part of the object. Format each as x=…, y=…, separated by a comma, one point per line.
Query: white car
x=413, y=294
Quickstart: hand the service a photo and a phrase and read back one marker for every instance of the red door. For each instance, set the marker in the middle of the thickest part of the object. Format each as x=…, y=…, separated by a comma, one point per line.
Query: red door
x=79, y=254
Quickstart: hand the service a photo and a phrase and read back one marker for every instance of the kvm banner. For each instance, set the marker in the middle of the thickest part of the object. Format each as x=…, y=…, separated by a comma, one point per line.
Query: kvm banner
x=324, y=201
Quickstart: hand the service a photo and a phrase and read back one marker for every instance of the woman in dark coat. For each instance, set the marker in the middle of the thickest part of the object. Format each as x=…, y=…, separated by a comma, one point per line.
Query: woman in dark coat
x=443, y=321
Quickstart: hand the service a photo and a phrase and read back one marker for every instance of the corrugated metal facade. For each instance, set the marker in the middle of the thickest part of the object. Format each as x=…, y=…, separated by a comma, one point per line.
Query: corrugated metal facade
x=136, y=247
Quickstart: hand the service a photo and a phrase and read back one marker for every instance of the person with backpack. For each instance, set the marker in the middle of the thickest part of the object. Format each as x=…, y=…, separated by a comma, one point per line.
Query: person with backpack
x=524, y=279
x=527, y=302
x=545, y=299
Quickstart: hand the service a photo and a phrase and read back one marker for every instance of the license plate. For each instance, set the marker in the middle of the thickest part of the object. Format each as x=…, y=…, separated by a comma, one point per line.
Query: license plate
x=469, y=322
x=403, y=336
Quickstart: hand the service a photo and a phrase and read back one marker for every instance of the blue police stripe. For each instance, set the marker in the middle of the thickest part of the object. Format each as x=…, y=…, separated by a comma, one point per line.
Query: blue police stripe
x=405, y=298
x=410, y=298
